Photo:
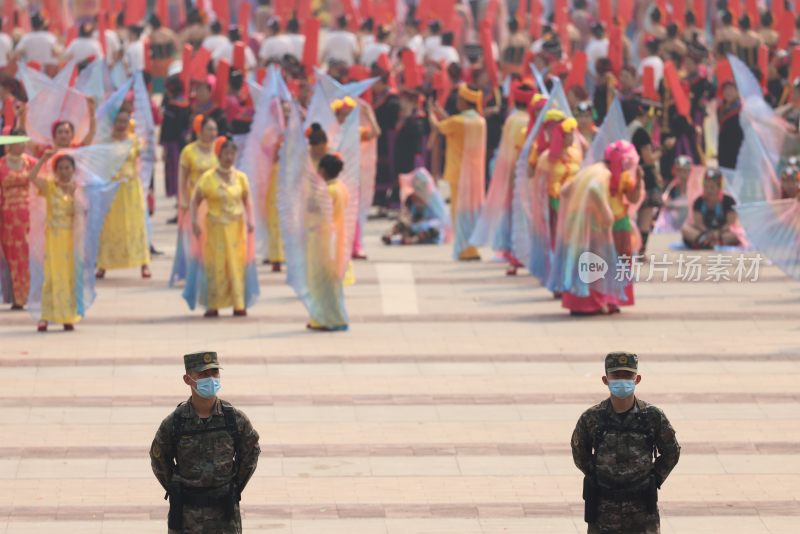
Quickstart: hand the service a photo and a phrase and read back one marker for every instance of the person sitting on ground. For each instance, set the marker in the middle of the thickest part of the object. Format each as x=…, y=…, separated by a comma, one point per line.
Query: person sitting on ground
x=418, y=225
x=713, y=217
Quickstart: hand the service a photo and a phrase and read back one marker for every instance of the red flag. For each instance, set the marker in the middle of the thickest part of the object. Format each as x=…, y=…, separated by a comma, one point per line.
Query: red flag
x=577, y=74
x=676, y=90
x=73, y=76
x=535, y=28
x=261, y=73
x=649, y=84
x=751, y=6
x=411, y=77
x=8, y=16
x=54, y=11
x=488, y=55
x=365, y=6
x=238, y=56
x=352, y=14
x=522, y=11
x=615, y=47
x=357, y=73
x=794, y=69
x=244, y=20
x=303, y=8
x=311, y=48
x=222, y=9
x=763, y=65
x=9, y=115
x=186, y=60
x=699, y=10
x=162, y=10
x=662, y=6
x=604, y=11
x=134, y=12
x=562, y=21
x=102, y=26
x=723, y=73
x=785, y=29
x=72, y=33
x=735, y=9
x=199, y=68
x=679, y=13
x=625, y=11
x=442, y=84
x=148, y=55
x=221, y=90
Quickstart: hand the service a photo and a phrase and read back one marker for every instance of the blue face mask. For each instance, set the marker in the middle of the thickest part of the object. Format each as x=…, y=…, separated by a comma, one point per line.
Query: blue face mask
x=622, y=389
x=207, y=387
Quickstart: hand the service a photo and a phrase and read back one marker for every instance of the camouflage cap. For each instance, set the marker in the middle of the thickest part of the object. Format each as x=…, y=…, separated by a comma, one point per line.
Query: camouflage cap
x=198, y=362
x=622, y=361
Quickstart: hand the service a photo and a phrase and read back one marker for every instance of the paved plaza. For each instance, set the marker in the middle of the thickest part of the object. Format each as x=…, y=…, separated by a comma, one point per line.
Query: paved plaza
x=447, y=408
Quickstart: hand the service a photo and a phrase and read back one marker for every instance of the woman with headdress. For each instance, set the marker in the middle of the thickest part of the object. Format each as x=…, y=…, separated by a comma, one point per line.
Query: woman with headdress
x=123, y=241
x=222, y=270
x=495, y=219
x=556, y=166
x=15, y=168
x=713, y=221
x=328, y=257
x=196, y=159
x=203, y=105
x=595, y=230
x=317, y=143
x=465, y=134
x=63, y=237
x=368, y=132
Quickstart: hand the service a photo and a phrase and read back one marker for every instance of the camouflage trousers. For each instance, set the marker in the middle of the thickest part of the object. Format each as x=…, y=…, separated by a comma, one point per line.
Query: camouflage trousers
x=628, y=517
x=209, y=520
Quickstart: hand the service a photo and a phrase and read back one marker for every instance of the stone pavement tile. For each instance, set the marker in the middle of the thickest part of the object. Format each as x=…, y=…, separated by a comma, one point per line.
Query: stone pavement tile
x=9, y=467
x=502, y=465
x=543, y=525
x=325, y=467
x=431, y=466
x=775, y=383
x=714, y=525
x=401, y=433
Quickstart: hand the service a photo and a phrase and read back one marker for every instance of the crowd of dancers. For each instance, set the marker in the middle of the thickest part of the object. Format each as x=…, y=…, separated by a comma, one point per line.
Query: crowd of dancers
x=551, y=132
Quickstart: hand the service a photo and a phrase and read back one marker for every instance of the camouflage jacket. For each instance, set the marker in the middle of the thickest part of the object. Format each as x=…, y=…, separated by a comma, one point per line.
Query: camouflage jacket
x=207, y=457
x=622, y=450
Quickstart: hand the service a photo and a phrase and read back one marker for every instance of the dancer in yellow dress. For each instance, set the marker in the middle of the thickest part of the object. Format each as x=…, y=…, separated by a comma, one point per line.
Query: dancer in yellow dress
x=62, y=249
x=222, y=271
x=123, y=242
x=196, y=159
x=327, y=251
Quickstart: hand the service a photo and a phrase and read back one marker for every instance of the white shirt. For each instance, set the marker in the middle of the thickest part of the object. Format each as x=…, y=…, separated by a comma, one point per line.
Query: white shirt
x=658, y=68
x=113, y=45
x=6, y=46
x=83, y=47
x=417, y=45
x=134, y=56
x=275, y=46
x=297, y=42
x=226, y=53
x=214, y=43
x=448, y=54
x=341, y=46
x=372, y=52
x=432, y=43
x=39, y=47
x=595, y=49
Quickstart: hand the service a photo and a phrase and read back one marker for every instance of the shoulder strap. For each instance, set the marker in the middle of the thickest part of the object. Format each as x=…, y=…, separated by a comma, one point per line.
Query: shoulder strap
x=230, y=424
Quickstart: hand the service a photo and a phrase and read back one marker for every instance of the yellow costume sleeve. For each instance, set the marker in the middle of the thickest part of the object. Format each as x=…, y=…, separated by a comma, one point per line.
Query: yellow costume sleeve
x=451, y=125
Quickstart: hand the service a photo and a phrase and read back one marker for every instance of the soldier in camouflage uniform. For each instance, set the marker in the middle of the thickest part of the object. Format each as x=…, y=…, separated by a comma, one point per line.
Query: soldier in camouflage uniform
x=626, y=448
x=203, y=454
